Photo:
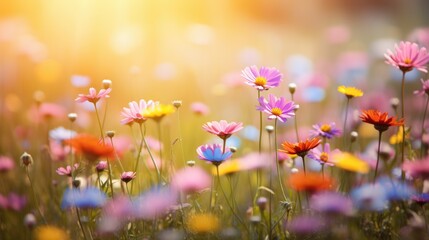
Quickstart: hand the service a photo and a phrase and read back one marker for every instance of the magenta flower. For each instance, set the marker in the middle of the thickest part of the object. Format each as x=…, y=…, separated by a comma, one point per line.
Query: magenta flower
x=277, y=108
x=67, y=171
x=93, y=96
x=223, y=129
x=191, y=180
x=6, y=164
x=263, y=78
x=101, y=166
x=127, y=176
x=213, y=153
x=425, y=88
x=135, y=112
x=408, y=56
x=417, y=168
x=323, y=156
x=325, y=130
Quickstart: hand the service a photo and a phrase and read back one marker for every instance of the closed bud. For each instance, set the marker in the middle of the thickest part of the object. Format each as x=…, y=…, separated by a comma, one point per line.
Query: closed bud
x=26, y=159
x=262, y=203
x=110, y=134
x=39, y=97
x=394, y=102
x=72, y=117
x=353, y=136
x=30, y=220
x=233, y=149
x=190, y=163
x=76, y=183
x=177, y=103
x=107, y=83
x=292, y=88
x=269, y=128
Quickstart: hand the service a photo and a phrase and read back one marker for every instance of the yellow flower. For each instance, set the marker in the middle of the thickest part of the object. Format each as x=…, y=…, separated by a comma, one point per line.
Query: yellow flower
x=350, y=162
x=397, y=138
x=203, y=223
x=350, y=92
x=228, y=167
x=158, y=111
x=50, y=233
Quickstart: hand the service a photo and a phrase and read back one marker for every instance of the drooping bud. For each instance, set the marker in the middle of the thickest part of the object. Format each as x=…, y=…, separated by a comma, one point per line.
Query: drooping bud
x=26, y=159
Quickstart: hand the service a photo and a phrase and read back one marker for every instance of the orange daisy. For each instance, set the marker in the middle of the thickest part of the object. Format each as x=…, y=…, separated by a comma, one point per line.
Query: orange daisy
x=300, y=148
x=380, y=120
x=310, y=182
x=90, y=147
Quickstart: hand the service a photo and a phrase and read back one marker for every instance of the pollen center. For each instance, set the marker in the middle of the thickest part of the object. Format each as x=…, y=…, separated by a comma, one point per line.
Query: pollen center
x=324, y=157
x=276, y=111
x=407, y=61
x=325, y=128
x=260, y=81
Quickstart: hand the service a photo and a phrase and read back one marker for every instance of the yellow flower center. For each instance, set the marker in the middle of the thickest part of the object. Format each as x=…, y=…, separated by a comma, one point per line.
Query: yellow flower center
x=260, y=81
x=325, y=128
x=324, y=157
x=407, y=61
x=276, y=111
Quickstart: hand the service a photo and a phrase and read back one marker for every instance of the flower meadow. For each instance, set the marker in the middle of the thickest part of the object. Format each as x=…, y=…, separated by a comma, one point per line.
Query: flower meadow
x=290, y=157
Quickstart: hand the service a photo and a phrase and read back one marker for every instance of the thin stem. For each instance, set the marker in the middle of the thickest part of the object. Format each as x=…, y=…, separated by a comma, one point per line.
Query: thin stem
x=151, y=157
x=303, y=164
x=80, y=223
x=138, y=156
x=180, y=137
x=295, y=123
x=110, y=176
x=378, y=156
x=158, y=124
x=258, y=171
x=277, y=159
x=34, y=195
x=116, y=155
x=422, y=146
x=99, y=122
x=345, y=123
x=403, y=129
x=226, y=200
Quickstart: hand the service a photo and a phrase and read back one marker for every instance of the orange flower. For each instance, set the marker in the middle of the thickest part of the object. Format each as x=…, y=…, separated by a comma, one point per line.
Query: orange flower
x=380, y=120
x=90, y=147
x=300, y=148
x=310, y=182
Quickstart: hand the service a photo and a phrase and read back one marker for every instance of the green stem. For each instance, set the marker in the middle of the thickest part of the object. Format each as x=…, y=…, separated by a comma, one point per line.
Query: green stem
x=345, y=123
x=403, y=129
x=80, y=223
x=34, y=195
x=422, y=145
x=158, y=124
x=295, y=123
x=258, y=171
x=277, y=160
x=138, y=155
x=378, y=156
x=303, y=164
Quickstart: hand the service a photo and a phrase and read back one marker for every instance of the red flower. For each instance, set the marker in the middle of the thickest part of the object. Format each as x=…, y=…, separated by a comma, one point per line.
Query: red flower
x=91, y=147
x=310, y=182
x=300, y=148
x=380, y=120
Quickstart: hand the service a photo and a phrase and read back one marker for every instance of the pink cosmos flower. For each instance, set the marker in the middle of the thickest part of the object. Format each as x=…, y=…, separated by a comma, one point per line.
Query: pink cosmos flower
x=200, y=108
x=277, y=108
x=263, y=78
x=191, y=180
x=127, y=176
x=222, y=129
x=67, y=171
x=154, y=203
x=93, y=96
x=135, y=112
x=115, y=213
x=6, y=164
x=425, y=88
x=408, y=56
x=417, y=168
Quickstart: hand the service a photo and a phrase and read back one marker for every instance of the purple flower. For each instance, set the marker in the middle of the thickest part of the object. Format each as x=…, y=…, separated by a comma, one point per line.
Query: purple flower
x=332, y=203
x=425, y=88
x=325, y=130
x=421, y=198
x=323, y=156
x=127, y=176
x=263, y=78
x=101, y=166
x=303, y=225
x=213, y=153
x=370, y=197
x=277, y=108
x=154, y=203
x=395, y=189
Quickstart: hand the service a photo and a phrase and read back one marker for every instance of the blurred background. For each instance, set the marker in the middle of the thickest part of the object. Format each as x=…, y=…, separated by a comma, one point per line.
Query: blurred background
x=194, y=50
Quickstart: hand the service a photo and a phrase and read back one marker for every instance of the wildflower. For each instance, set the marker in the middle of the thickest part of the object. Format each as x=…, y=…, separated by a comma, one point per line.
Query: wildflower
x=191, y=180
x=127, y=176
x=90, y=147
x=177, y=104
x=26, y=159
x=421, y=198
x=300, y=148
x=48, y=111
x=350, y=92
x=310, y=182
x=350, y=162
x=305, y=224
x=322, y=156
x=6, y=164
x=60, y=134
x=203, y=223
x=277, y=108
x=115, y=214
x=154, y=203
x=89, y=197
x=213, y=153
x=228, y=168
x=325, y=130
x=93, y=96
x=200, y=108
x=263, y=78
x=135, y=112
x=223, y=129
x=101, y=166
x=67, y=171
x=407, y=56
x=425, y=88
x=157, y=111
x=370, y=197
x=380, y=120
x=396, y=190
x=387, y=152
x=30, y=220
x=13, y=202
x=331, y=203
x=417, y=168
x=48, y=232
x=397, y=138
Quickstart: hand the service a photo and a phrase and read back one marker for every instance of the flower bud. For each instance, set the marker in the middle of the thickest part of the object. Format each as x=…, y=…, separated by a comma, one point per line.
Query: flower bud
x=292, y=88
x=39, y=96
x=262, y=203
x=101, y=166
x=177, y=103
x=394, y=102
x=76, y=183
x=354, y=135
x=190, y=163
x=72, y=117
x=233, y=149
x=269, y=128
x=26, y=159
x=30, y=220
x=107, y=83
x=110, y=134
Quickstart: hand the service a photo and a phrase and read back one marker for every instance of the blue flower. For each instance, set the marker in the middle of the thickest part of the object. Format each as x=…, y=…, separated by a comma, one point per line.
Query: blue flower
x=396, y=190
x=89, y=197
x=213, y=153
x=370, y=197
